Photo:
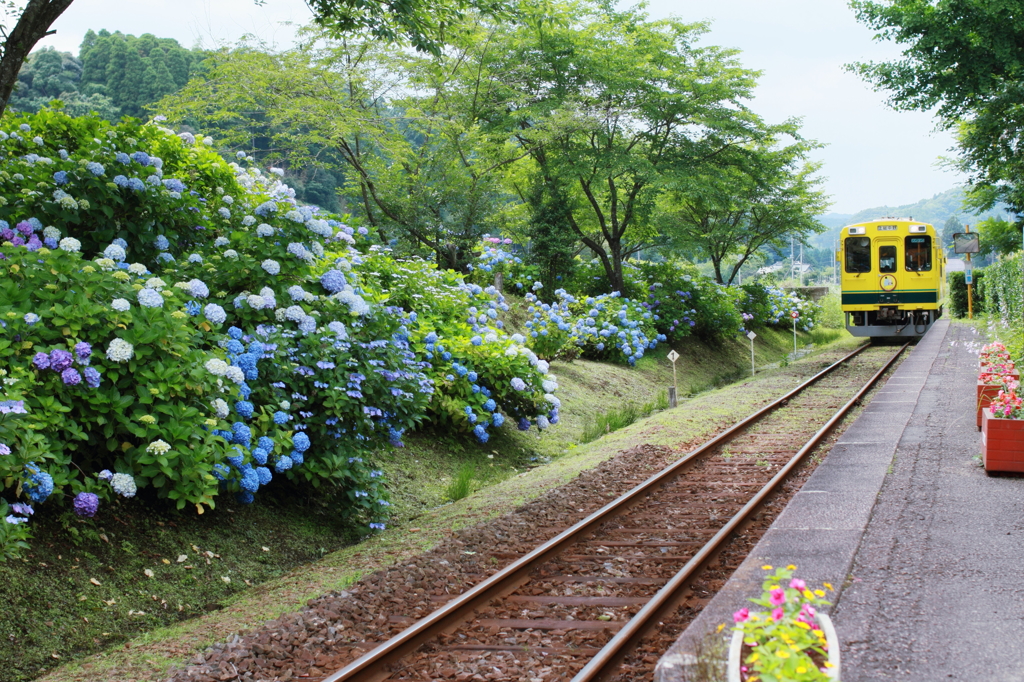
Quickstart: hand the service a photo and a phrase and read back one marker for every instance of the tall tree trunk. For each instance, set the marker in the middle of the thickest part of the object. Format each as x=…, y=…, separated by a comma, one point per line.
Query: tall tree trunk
x=33, y=24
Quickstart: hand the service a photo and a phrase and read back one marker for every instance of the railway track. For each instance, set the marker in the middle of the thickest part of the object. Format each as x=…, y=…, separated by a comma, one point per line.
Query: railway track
x=578, y=604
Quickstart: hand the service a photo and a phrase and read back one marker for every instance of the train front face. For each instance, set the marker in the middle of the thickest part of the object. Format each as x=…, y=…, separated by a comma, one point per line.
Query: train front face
x=893, y=281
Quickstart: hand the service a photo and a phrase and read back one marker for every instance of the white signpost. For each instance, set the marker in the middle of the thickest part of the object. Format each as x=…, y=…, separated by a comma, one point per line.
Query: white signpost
x=796, y=316
x=752, y=336
x=673, y=356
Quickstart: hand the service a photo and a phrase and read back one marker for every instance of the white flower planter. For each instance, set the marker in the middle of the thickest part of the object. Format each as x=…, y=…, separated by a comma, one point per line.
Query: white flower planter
x=736, y=650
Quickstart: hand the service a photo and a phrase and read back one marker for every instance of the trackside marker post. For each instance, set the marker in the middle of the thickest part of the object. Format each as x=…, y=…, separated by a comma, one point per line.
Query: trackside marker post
x=673, y=356
x=796, y=316
x=752, y=336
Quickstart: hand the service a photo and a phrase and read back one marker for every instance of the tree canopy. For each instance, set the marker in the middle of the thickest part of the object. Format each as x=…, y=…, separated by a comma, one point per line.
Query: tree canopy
x=964, y=59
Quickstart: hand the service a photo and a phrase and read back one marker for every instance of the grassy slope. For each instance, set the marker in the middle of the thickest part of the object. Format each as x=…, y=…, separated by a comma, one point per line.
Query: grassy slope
x=282, y=579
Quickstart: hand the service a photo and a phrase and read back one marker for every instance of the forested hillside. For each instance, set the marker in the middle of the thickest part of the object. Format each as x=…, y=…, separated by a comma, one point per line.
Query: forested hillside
x=937, y=210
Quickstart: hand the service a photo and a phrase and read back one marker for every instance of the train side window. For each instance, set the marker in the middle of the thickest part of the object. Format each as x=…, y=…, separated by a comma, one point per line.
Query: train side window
x=919, y=253
x=858, y=254
x=887, y=259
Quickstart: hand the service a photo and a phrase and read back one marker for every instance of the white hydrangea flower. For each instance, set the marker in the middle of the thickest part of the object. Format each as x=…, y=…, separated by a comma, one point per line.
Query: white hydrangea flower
x=542, y=366
x=158, y=447
x=231, y=253
x=221, y=241
x=255, y=301
x=120, y=304
x=221, y=408
x=216, y=366
x=51, y=232
x=234, y=374
x=155, y=283
x=105, y=263
x=137, y=269
x=271, y=266
x=120, y=350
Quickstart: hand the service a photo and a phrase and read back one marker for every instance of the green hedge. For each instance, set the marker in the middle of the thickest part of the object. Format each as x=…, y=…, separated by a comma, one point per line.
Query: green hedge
x=1004, y=290
x=958, y=293
x=1004, y=297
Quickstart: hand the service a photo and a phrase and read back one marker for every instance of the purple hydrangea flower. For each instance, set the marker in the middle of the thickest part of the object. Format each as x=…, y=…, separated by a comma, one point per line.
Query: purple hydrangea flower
x=41, y=361
x=83, y=350
x=86, y=504
x=92, y=377
x=71, y=377
x=60, y=360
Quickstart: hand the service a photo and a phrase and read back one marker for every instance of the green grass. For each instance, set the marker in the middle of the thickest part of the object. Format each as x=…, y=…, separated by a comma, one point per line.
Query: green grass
x=620, y=417
x=821, y=336
x=462, y=485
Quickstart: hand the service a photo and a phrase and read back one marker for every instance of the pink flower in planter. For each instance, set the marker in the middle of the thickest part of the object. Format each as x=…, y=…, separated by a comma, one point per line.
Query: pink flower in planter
x=777, y=596
x=741, y=615
x=777, y=614
x=798, y=584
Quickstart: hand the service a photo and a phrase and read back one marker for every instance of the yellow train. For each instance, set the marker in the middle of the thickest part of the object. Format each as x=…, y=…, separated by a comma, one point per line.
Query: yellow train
x=893, y=277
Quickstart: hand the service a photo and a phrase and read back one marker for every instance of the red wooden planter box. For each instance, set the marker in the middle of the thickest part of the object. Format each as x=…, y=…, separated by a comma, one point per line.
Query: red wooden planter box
x=988, y=391
x=1002, y=443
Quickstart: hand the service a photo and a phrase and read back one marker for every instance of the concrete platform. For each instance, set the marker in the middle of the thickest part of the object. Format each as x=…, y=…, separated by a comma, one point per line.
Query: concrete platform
x=927, y=551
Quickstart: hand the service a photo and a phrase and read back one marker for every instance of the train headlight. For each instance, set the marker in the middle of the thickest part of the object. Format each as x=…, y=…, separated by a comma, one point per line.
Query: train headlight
x=856, y=230
x=918, y=228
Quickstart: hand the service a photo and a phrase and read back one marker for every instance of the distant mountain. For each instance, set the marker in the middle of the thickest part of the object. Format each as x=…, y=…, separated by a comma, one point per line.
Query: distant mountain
x=936, y=211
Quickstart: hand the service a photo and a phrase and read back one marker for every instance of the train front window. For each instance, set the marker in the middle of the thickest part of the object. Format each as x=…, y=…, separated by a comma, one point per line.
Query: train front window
x=858, y=254
x=919, y=253
x=887, y=259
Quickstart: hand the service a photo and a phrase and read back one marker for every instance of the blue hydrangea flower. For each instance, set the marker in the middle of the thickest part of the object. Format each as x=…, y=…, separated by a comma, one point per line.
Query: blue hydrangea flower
x=141, y=157
x=281, y=417
x=95, y=168
x=161, y=243
x=235, y=346
x=250, y=480
x=259, y=455
x=244, y=497
x=264, y=475
x=518, y=384
x=136, y=185
x=284, y=463
x=120, y=181
x=297, y=458
x=60, y=177
x=265, y=443
x=193, y=308
x=235, y=333
x=489, y=405
x=300, y=442
x=241, y=434
x=481, y=433
x=524, y=424
x=497, y=419
x=244, y=408
x=333, y=281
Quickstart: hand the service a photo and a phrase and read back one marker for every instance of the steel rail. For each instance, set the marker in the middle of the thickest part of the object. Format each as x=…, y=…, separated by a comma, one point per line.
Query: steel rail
x=370, y=666
x=601, y=665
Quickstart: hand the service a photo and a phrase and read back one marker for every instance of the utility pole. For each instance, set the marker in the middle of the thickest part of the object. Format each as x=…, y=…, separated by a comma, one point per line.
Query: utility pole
x=969, y=278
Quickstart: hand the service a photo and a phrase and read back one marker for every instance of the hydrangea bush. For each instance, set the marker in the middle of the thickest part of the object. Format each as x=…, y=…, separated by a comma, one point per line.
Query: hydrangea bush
x=202, y=334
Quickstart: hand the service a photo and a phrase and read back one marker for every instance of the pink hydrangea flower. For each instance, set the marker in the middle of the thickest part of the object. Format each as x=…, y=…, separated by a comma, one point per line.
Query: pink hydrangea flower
x=741, y=615
x=777, y=614
x=798, y=584
x=777, y=596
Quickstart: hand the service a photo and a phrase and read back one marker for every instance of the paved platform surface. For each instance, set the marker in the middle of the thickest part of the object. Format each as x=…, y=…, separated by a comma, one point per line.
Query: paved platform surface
x=926, y=549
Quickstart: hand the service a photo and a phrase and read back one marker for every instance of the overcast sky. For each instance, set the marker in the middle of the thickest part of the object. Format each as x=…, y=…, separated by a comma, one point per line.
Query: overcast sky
x=875, y=156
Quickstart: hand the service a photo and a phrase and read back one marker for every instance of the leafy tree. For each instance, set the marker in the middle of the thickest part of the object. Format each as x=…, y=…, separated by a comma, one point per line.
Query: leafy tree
x=998, y=236
x=949, y=228
x=46, y=75
x=33, y=23
x=610, y=105
x=963, y=58
x=418, y=165
x=730, y=214
x=426, y=24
